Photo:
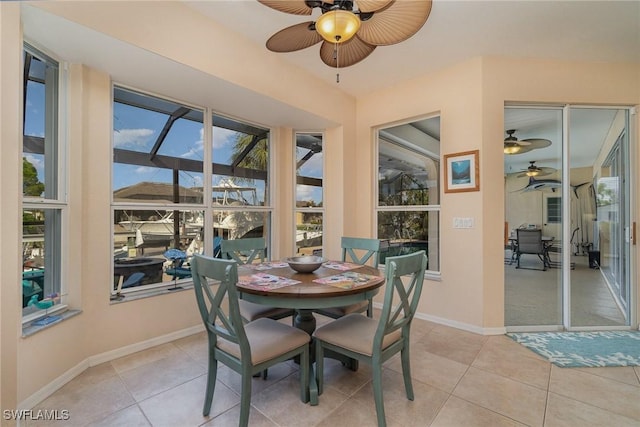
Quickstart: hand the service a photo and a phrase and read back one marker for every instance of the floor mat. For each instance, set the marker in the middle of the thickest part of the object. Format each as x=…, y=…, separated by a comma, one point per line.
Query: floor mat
x=584, y=349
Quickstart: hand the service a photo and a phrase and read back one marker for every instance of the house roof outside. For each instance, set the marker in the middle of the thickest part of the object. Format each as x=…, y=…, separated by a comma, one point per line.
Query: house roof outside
x=156, y=191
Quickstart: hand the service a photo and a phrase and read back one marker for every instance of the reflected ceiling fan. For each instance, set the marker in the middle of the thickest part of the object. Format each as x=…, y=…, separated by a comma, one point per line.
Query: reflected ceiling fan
x=513, y=146
x=535, y=171
x=349, y=30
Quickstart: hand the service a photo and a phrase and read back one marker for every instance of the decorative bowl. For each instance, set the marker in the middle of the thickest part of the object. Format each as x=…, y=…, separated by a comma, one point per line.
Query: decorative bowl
x=305, y=264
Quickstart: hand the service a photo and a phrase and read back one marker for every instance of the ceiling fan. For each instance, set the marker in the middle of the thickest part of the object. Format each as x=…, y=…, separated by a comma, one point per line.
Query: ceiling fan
x=349, y=30
x=513, y=146
x=536, y=171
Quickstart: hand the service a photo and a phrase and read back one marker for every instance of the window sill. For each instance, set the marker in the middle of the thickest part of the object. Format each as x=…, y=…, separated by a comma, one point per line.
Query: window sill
x=133, y=296
x=436, y=277
x=47, y=321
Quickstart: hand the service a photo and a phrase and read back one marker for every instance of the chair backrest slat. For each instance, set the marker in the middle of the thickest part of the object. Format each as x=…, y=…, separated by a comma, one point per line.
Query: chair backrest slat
x=244, y=251
x=351, y=244
x=529, y=241
x=221, y=323
x=405, y=277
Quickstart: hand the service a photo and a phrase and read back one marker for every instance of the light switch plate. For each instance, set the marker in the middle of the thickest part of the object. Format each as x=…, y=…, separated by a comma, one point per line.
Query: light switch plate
x=462, y=222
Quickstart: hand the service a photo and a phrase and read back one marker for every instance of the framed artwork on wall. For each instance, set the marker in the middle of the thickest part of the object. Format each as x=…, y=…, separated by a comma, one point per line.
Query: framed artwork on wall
x=462, y=172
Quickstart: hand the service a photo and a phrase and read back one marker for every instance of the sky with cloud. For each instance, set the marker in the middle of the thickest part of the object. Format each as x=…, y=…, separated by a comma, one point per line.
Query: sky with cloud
x=137, y=130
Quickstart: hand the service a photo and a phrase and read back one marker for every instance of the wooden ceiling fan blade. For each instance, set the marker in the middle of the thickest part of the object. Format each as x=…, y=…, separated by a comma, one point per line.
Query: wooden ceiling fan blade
x=294, y=7
x=536, y=171
x=395, y=23
x=293, y=38
x=536, y=142
x=372, y=5
x=349, y=53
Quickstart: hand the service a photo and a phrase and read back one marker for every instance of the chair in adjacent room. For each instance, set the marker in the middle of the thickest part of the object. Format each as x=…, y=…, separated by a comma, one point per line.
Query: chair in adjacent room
x=374, y=341
x=248, y=348
x=359, y=251
x=246, y=251
x=530, y=242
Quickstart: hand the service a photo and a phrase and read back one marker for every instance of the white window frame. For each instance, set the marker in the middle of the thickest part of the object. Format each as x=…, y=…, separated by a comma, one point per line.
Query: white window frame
x=304, y=210
x=206, y=206
x=434, y=274
x=56, y=174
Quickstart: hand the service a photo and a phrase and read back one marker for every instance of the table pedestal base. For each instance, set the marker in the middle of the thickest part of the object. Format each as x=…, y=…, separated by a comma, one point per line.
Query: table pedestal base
x=305, y=320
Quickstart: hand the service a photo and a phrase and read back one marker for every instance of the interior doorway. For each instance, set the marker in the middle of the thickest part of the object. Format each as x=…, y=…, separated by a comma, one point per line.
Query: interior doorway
x=570, y=179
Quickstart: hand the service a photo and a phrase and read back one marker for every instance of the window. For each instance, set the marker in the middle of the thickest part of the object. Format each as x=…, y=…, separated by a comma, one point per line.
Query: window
x=408, y=211
x=166, y=204
x=554, y=210
x=309, y=207
x=240, y=181
x=44, y=199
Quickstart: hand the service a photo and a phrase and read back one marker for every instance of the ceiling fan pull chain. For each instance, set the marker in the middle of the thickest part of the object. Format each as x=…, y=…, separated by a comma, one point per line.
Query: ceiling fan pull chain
x=335, y=56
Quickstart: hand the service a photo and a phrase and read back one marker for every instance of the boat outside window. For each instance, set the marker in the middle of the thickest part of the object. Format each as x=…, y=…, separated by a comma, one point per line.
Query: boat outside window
x=167, y=206
x=43, y=194
x=408, y=211
x=240, y=181
x=309, y=192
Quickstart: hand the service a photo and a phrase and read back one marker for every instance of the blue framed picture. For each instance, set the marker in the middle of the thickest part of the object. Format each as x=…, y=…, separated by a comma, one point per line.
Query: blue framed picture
x=461, y=172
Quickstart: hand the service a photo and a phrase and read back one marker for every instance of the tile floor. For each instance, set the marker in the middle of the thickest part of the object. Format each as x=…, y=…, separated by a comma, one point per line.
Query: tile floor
x=459, y=379
x=533, y=297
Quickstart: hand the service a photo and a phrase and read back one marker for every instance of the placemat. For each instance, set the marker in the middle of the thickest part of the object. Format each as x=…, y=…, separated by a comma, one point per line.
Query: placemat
x=341, y=265
x=347, y=280
x=265, y=281
x=267, y=265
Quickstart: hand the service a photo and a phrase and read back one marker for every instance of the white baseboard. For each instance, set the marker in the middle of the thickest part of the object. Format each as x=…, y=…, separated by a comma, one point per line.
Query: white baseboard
x=143, y=345
x=53, y=386
x=46, y=391
x=107, y=356
x=462, y=326
x=454, y=324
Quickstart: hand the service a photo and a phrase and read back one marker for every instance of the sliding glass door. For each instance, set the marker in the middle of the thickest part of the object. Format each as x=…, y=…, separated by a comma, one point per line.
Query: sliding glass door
x=533, y=200
x=576, y=189
x=599, y=274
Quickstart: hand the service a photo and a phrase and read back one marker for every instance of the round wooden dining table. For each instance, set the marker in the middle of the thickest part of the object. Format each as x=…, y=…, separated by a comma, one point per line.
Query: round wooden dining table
x=307, y=295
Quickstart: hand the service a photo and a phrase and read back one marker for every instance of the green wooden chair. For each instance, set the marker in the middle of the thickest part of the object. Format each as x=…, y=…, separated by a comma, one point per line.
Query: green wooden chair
x=244, y=251
x=357, y=250
x=247, y=349
x=247, y=251
x=376, y=341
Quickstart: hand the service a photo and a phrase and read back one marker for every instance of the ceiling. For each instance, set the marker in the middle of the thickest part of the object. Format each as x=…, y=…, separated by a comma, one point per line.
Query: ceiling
x=455, y=31
x=460, y=30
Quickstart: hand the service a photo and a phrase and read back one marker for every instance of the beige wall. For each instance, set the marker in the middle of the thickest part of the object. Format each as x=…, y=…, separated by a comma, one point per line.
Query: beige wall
x=456, y=94
x=10, y=214
x=469, y=97
x=104, y=330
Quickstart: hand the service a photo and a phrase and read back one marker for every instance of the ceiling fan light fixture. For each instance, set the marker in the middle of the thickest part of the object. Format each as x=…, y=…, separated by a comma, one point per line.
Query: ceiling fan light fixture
x=337, y=26
x=511, y=148
x=533, y=172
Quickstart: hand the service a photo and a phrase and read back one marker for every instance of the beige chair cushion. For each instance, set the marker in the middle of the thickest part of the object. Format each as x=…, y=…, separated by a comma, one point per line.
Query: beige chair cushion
x=354, y=332
x=268, y=339
x=335, y=312
x=251, y=311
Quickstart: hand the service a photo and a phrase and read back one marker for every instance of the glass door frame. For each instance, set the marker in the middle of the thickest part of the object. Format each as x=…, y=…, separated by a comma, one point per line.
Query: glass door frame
x=627, y=155
x=629, y=152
